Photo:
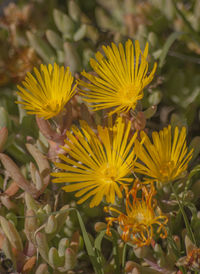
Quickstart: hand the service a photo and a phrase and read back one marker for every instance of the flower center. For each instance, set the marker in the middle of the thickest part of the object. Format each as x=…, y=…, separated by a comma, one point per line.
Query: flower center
x=108, y=174
x=141, y=214
x=167, y=169
x=52, y=106
x=129, y=94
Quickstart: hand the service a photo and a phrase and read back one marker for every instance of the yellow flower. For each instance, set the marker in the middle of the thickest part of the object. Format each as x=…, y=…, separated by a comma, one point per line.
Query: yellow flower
x=122, y=76
x=166, y=158
x=98, y=165
x=137, y=224
x=46, y=94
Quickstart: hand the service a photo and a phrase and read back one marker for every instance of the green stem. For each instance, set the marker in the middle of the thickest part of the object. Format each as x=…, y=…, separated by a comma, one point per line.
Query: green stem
x=173, y=244
x=187, y=224
x=175, y=249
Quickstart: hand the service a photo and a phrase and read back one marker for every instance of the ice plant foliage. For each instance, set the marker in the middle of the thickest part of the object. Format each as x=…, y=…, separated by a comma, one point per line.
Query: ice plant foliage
x=121, y=77
x=137, y=224
x=166, y=158
x=96, y=165
x=47, y=93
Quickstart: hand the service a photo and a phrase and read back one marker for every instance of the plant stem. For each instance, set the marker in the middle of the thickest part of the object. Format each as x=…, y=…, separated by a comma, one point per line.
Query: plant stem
x=187, y=224
x=175, y=250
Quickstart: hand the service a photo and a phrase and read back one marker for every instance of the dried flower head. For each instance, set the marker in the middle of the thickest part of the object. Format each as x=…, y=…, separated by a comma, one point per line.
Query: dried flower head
x=166, y=158
x=97, y=165
x=138, y=223
x=20, y=62
x=191, y=261
x=47, y=93
x=122, y=76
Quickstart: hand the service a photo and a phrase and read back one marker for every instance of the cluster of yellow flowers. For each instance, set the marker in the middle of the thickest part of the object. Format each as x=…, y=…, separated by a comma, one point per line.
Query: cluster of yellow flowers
x=102, y=164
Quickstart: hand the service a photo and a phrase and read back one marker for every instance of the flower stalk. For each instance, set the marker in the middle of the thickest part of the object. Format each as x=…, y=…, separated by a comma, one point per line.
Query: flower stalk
x=187, y=224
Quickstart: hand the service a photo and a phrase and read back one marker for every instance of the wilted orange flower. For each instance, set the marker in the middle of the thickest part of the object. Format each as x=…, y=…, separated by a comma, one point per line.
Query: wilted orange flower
x=191, y=261
x=138, y=223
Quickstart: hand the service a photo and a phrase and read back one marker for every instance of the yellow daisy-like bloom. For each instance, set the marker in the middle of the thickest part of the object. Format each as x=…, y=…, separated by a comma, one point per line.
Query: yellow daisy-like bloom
x=166, y=158
x=137, y=224
x=122, y=76
x=97, y=166
x=47, y=93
